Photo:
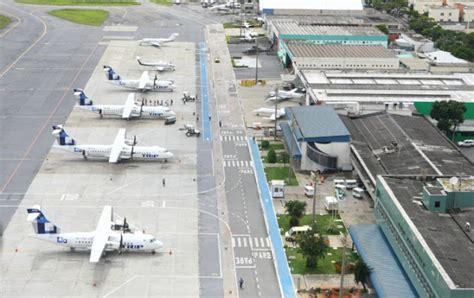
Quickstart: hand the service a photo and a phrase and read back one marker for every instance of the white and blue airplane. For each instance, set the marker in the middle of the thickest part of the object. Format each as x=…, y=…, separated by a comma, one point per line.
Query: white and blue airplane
x=269, y=113
x=143, y=84
x=127, y=111
x=157, y=42
x=108, y=236
x=121, y=149
x=284, y=95
x=158, y=65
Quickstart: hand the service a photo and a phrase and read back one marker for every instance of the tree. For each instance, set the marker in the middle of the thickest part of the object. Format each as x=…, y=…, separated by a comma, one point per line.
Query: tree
x=284, y=157
x=448, y=114
x=295, y=208
x=361, y=273
x=313, y=248
x=271, y=156
x=265, y=144
x=383, y=28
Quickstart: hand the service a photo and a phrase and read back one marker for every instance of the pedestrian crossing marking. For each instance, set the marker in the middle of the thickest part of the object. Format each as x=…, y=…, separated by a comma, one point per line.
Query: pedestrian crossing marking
x=257, y=243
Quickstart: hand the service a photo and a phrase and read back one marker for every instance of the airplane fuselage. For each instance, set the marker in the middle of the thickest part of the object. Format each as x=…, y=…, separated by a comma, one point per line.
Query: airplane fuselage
x=117, y=110
x=151, y=85
x=83, y=241
x=103, y=151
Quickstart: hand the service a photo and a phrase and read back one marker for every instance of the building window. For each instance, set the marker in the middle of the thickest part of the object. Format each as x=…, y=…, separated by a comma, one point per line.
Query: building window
x=437, y=204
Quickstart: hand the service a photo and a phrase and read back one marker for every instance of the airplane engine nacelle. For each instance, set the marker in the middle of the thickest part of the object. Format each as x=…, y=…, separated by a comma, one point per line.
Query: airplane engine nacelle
x=112, y=245
x=129, y=142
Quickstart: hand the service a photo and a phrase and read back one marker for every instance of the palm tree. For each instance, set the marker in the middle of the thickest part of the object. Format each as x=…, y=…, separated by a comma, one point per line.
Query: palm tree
x=361, y=273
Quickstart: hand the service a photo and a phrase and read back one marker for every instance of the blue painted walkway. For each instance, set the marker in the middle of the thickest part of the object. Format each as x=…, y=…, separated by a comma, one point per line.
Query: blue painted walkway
x=206, y=123
x=284, y=275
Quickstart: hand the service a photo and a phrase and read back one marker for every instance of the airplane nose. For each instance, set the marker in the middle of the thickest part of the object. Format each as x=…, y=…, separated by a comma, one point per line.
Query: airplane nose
x=169, y=155
x=158, y=244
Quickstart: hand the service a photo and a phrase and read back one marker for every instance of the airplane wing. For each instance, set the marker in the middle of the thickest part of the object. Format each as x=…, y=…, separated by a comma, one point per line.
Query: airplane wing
x=102, y=234
x=143, y=80
x=128, y=106
x=155, y=44
x=117, y=146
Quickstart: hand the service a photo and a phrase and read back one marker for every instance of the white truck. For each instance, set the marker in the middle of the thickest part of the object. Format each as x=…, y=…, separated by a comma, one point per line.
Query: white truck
x=331, y=204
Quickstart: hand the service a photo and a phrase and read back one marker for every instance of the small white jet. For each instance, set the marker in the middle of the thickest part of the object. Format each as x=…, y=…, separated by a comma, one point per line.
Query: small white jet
x=157, y=42
x=121, y=149
x=143, y=84
x=108, y=236
x=269, y=113
x=249, y=36
x=284, y=95
x=127, y=111
x=158, y=65
x=226, y=7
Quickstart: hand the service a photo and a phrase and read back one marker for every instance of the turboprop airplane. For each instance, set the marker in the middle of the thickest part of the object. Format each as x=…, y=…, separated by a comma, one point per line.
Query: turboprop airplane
x=270, y=113
x=121, y=149
x=284, y=95
x=108, y=235
x=158, y=65
x=143, y=84
x=226, y=7
x=127, y=111
x=157, y=42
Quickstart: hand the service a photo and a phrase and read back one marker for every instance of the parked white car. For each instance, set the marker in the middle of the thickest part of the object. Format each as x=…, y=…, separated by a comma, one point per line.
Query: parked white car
x=466, y=143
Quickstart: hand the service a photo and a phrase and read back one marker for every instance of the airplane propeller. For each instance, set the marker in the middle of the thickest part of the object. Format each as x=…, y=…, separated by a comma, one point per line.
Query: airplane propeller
x=120, y=244
x=141, y=107
x=134, y=140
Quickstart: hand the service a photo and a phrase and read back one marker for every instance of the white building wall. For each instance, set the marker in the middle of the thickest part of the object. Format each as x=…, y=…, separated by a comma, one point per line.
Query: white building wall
x=444, y=14
x=346, y=63
x=469, y=14
x=339, y=149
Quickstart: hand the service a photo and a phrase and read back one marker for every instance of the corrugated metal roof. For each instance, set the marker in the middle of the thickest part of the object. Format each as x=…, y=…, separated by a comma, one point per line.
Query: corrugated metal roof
x=387, y=276
x=318, y=124
x=339, y=51
x=312, y=4
x=293, y=27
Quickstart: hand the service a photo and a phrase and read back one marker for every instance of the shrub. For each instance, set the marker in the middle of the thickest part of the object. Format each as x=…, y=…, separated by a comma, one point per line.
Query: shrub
x=294, y=221
x=272, y=157
x=265, y=144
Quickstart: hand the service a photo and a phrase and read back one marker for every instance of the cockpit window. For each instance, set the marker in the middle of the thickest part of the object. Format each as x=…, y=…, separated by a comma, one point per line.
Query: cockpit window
x=152, y=240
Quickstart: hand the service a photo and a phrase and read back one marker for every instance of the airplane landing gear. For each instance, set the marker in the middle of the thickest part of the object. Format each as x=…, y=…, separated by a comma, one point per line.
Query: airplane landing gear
x=153, y=252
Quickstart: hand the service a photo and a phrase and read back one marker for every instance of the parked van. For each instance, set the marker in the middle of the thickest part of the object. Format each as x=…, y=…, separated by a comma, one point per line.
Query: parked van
x=309, y=191
x=331, y=204
x=351, y=183
x=358, y=193
x=339, y=182
x=291, y=234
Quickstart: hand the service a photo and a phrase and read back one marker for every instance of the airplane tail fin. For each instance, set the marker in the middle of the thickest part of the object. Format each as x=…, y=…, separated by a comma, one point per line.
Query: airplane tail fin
x=174, y=35
x=41, y=225
x=62, y=137
x=82, y=98
x=110, y=74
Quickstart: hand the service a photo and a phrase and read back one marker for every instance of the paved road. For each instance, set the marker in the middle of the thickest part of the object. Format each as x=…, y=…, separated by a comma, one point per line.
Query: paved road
x=252, y=252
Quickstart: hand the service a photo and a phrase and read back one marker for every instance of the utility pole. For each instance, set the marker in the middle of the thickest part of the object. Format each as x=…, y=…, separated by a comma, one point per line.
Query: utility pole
x=256, y=62
x=315, y=177
x=276, y=109
x=343, y=268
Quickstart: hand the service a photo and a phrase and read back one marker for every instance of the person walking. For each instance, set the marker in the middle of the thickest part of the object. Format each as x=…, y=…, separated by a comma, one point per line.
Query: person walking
x=241, y=283
x=164, y=182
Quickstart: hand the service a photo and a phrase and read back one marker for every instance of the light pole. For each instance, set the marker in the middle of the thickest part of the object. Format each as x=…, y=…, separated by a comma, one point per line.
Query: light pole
x=343, y=267
x=256, y=61
x=276, y=115
x=315, y=177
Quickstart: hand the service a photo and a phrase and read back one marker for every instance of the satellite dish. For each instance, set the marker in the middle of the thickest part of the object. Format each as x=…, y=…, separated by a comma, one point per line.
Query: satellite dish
x=454, y=180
